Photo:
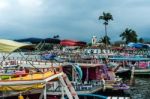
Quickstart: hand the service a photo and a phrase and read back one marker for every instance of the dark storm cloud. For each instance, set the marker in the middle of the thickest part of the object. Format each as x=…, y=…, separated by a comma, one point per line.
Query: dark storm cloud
x=71, y=18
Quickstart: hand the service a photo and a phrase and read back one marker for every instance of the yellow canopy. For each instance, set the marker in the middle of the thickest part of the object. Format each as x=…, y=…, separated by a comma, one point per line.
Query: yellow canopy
x=9, y=46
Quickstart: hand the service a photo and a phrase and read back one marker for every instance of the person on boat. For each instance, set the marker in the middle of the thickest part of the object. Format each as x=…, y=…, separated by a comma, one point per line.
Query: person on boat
x=133, y=63
x=26, y=70
x=112, y=69
x=109, y=69
x=21, y=69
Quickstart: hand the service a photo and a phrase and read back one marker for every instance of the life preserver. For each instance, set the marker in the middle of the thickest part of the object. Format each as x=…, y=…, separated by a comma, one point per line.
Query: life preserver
x=79, y=71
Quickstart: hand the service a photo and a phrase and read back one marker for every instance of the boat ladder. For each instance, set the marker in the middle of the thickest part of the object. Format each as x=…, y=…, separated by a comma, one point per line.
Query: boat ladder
x=68, y=88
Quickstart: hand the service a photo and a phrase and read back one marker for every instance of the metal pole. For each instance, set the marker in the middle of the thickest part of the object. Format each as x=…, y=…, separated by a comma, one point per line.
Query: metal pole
x=132, y=75
x=87, y=74
x=106, y=37
x=62, y=90
x=45, y=94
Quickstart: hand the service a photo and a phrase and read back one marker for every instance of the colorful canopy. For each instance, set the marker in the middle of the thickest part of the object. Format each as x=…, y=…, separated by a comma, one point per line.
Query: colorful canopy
x=72, y=43
x=9, y=46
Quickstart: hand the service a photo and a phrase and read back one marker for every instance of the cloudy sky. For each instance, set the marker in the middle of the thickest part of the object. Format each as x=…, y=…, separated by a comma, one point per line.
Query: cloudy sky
x=72, y=19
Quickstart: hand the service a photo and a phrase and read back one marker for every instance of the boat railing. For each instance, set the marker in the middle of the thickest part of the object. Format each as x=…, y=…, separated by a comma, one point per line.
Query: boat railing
x=10, y=77
x=29, y=62
x=50, y=68
x=93, y=61
x=43, y=62
x=10, y=73
x=92, y=85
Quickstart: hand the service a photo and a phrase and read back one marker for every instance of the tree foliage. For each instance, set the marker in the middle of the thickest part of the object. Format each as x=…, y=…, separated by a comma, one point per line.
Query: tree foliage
x=56, y=36
x=129, y=35
x=104, y=39
x=141, y=40
x=89, y=44
x=106, y=17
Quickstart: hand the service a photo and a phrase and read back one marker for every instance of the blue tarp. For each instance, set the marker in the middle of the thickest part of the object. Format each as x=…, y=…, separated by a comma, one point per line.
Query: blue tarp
x=48, y=57
x=138, y=45
x=131, y=44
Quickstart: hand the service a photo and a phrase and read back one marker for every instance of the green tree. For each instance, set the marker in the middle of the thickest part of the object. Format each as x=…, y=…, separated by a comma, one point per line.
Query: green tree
x=106, y=17
x=89, y=44
x=141, y=40
x=129, y=35
x=105, y=39
x=56, y=36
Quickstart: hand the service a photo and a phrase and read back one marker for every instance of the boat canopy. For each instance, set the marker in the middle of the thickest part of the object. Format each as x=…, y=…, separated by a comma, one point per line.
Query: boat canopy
x=72, y=43
x=138, y=45
x=130, y=59
x=9, y=46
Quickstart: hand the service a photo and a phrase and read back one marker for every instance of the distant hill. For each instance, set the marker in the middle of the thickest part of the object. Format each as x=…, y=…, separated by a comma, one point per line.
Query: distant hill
x=31, y=40
x=38, y=40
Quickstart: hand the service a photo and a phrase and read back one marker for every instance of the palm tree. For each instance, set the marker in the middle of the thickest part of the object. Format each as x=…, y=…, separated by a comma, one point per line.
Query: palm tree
x=129, y=35
x=105, y=39
x=106, y=17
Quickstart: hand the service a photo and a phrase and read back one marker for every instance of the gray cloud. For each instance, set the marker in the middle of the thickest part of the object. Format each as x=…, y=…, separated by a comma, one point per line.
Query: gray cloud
x=71, y=19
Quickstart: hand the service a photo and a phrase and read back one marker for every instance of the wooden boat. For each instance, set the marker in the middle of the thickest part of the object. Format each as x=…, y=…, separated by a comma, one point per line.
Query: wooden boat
x=21, y=82
x=139, y=70
x=13, y=82
x=124, y=73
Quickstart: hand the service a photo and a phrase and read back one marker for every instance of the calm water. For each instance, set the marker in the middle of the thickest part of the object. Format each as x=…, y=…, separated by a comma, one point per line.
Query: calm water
x=141, y=89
